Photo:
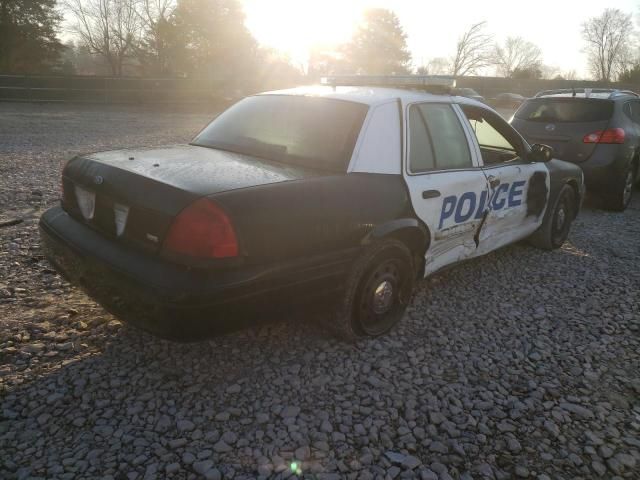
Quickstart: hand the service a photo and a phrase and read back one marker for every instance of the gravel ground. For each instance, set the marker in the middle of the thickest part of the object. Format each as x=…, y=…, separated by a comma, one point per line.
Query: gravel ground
x=521, y=364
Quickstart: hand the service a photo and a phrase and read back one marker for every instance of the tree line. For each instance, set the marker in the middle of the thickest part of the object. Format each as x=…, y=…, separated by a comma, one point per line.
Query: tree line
x=208, y=38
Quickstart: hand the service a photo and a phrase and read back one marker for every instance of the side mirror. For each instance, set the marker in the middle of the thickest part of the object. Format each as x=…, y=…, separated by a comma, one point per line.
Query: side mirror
x=541, y=153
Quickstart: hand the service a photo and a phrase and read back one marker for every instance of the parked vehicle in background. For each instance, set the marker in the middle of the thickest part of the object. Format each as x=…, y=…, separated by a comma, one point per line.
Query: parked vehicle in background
x=346, y=192
x=598, y=129
x=469, y=93
x=508, y=100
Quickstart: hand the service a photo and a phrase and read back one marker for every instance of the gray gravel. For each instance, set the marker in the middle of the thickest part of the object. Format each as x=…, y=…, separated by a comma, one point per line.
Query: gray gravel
x=522, y=364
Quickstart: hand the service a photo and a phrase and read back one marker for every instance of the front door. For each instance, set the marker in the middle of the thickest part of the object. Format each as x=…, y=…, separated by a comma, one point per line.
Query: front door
x=447, y=186
x=519, y=188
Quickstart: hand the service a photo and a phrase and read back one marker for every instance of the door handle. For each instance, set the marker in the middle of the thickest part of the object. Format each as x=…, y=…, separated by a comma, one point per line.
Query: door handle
x=493, y=181
x=430, y=194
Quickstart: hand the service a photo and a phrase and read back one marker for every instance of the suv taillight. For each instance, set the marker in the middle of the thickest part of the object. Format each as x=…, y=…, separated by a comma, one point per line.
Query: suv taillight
x=611, y=135
x=202, y=230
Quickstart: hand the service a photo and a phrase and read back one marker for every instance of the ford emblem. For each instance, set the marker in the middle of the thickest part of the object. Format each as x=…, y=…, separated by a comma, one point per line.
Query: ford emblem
x=98, y=180
x=550, y=128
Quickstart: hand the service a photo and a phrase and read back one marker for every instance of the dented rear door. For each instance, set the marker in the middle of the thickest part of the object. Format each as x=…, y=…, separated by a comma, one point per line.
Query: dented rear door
x=447, y=186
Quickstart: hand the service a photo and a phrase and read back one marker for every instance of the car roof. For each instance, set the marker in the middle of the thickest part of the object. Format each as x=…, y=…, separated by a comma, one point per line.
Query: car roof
x=595, y=96
x=372, y=95
x=595, y=93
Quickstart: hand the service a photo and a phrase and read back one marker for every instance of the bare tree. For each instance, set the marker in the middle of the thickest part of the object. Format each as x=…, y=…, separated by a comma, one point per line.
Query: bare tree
x=517, y=54
x=570, y=75
x=473, y=51
x=609, y=43
x=155, y=19
x=109, y=28
x=439, y=66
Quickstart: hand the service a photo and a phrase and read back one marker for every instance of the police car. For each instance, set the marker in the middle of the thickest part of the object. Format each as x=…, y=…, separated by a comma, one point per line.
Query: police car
x=348, y=191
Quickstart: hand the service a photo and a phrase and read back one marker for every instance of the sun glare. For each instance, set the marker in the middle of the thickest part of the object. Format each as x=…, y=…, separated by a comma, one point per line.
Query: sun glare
x=294, y=27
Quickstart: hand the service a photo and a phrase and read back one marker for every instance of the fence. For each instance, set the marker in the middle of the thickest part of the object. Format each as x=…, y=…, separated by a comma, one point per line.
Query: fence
x=94, y=89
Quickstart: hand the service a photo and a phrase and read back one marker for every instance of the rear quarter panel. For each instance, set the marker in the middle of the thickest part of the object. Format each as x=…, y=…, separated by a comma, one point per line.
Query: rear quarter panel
x=313, y=216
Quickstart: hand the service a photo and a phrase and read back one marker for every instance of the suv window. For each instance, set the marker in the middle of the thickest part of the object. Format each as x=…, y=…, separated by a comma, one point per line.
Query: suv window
x=497, y=140
x=566, y=109
x=436, y=139
x=632, y=110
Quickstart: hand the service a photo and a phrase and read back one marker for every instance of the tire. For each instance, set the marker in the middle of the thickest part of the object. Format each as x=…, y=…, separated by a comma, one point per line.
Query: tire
x=555, y=228
x=619, y=200
x=378, y=290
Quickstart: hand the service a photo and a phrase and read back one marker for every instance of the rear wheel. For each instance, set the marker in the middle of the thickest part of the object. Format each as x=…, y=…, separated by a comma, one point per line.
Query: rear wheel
x=377, y=293
x=621, y=196
x=555, y=228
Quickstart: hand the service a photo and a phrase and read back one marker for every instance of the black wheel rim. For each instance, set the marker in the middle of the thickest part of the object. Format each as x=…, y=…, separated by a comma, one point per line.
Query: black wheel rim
x=381, y=298
x=561, y=221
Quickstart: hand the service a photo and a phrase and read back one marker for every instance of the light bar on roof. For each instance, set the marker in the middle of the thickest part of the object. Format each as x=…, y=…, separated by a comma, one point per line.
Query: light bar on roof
x=407, y=81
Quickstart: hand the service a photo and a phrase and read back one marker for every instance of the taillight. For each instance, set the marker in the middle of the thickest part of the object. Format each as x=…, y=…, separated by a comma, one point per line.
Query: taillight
x=611, y=135
x=202, y=230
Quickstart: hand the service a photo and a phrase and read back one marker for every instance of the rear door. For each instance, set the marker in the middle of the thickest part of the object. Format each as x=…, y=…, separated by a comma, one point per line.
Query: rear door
x=447, y=186
x=563, y=123
x=519, y=189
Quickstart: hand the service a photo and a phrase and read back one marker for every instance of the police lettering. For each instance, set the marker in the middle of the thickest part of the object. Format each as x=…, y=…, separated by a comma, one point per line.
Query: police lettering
x=468, y=204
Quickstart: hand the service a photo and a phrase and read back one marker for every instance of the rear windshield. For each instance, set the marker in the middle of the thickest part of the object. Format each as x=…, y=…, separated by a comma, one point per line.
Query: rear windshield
x=303, y=131
x=558, y=110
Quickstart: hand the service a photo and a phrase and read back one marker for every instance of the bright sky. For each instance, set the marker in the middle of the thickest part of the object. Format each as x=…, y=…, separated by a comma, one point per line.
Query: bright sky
x=433, y=27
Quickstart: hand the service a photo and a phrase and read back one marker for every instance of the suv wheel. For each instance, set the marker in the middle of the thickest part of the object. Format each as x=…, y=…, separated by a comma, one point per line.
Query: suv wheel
x=378, y=291
x=555, y=228
x=621, y=196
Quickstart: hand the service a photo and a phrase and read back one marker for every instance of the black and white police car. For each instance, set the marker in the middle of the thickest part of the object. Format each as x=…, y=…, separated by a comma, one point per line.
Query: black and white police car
x=351, y=191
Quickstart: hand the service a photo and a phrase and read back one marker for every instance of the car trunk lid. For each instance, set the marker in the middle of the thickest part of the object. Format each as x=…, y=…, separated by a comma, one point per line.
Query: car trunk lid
x=134, y=195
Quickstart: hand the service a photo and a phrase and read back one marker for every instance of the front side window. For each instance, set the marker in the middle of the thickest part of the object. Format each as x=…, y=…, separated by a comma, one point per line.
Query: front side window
x=304, y=131
x=436, y=139
x=491, y=133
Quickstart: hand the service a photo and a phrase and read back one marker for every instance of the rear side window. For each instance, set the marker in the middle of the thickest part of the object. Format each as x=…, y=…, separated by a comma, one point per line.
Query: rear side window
x=436, y=139
x=559, y=110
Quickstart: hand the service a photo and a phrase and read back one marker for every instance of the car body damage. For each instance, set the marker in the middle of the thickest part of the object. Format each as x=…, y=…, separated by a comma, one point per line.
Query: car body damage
x=537, y=194
x=248, y=217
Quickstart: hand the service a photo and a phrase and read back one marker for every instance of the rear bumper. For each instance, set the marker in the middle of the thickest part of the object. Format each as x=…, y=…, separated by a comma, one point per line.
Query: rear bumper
x=177, y=302
x=605, y=167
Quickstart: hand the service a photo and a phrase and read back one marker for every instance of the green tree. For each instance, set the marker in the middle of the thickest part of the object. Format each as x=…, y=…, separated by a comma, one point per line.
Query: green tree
x=326, y=60
x=630, y=75
x=527, y=73
x=28, y=42
x=210, y=39
x=154, y=50
x=379, y=45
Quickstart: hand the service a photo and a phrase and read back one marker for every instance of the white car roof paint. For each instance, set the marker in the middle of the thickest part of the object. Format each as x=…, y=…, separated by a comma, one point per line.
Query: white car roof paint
x=372, y=95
